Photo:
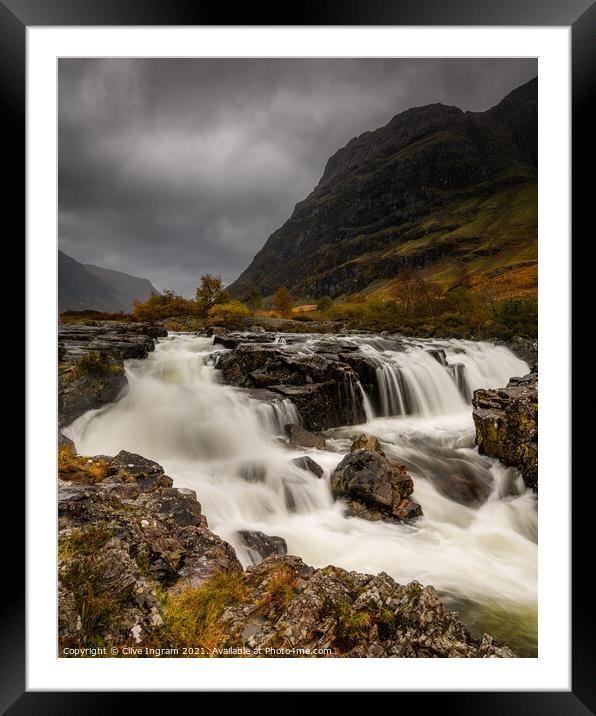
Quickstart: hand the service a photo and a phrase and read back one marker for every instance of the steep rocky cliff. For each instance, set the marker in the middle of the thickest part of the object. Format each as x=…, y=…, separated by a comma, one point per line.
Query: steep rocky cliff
x=436, y=189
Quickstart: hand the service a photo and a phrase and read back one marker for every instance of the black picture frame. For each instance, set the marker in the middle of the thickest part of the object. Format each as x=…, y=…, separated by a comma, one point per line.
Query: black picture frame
x=17, y=15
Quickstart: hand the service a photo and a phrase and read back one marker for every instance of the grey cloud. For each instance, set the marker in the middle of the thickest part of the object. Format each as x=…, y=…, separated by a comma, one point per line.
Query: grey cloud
x=171, y=168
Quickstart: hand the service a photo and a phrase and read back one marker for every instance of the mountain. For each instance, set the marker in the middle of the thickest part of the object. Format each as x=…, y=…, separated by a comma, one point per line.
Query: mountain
x=84, y=286
x=443, y=191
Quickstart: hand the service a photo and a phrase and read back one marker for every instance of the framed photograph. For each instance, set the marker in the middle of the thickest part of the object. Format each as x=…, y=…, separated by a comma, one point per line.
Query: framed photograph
x=289, y=285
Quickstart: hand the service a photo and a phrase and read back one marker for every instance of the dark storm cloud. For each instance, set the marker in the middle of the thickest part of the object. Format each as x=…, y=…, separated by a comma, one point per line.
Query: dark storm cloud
x=172, y=168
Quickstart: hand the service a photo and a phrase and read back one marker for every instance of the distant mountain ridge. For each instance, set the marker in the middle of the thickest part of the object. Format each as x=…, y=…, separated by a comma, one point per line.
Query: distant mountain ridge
x=437, y=189
x=85, y=286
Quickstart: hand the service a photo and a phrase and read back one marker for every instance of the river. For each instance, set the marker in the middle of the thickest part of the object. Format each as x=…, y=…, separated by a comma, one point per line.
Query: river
x=211, y=437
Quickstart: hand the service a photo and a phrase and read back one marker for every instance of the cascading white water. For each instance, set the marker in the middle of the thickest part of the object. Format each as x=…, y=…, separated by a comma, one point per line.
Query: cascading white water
x=366, y=404
x=275, y=415
x=218, y=441
x=412, y=381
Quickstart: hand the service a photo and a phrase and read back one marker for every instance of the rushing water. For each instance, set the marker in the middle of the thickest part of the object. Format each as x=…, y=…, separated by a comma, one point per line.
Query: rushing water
x=218, y=441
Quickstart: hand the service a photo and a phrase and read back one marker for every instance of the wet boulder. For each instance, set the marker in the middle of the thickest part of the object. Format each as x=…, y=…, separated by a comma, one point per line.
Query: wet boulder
x=326, y=405
x=323, y=387
x=260, y=546
x=304, y=438
x=367, y=442
x=374, y=487
x=309, y=465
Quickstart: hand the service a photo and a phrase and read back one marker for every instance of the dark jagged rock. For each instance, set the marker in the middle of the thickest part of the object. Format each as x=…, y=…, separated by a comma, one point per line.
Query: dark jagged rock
x=116, y=340
x=262, y=379
x=367, y=442
x=325, y=405
x=303, y=438
x=309, y=465
x=374, y=486
x=90, y=367
x=334, y=348
x=526, y=349
x=346, y=614
x=119, y=539
x=226, y=341
x=375, y=210
x=132, y=468
x=506, y=421
x=322, y=387
x=260, y=546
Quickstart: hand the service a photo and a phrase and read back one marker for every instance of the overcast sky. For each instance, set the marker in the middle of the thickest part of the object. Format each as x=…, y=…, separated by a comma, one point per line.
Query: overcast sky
x=169, y=169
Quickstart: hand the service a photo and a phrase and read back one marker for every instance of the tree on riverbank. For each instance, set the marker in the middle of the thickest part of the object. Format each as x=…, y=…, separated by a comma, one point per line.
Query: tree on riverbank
x=163, y=305
x=209, y=293
x=232, y=314
x=283, y=302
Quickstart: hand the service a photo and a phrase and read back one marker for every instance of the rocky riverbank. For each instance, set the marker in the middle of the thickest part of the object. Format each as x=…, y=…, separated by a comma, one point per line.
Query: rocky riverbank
x=91, y=362
x=139, y=567
x=506, y=421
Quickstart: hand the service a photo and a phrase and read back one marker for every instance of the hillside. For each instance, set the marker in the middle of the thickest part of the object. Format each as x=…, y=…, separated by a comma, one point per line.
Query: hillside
x=82, y=287
x=452, y=194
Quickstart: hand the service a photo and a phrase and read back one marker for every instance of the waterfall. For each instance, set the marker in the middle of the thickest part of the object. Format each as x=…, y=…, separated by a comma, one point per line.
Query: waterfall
x=438, y=378
x=457, y=371
x=366, y=404
x=221, y=442
x=277, y=414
